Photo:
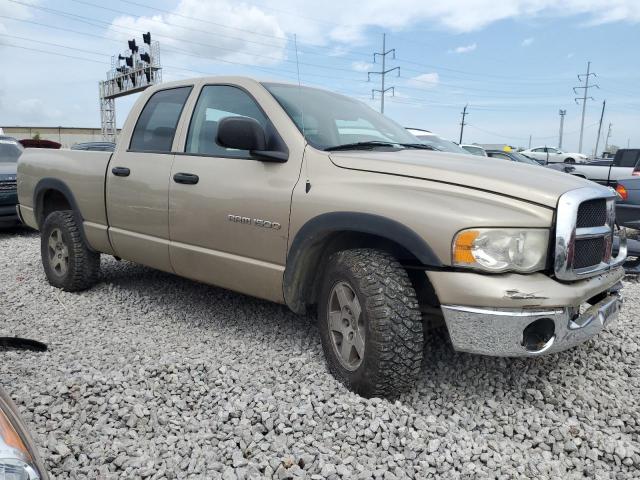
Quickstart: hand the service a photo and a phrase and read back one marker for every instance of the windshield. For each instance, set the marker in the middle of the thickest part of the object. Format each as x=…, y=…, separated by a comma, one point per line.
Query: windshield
x=441, y=144
x=331, y=120
x=10, y=150
x=474, y=150
x=521, y=158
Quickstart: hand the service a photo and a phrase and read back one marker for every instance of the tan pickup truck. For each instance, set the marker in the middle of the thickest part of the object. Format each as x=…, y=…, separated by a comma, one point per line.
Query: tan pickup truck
x=312, y=199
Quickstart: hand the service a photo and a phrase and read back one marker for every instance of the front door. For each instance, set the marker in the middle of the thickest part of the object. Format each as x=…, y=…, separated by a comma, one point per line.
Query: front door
x=229, y=211
x=137, y=183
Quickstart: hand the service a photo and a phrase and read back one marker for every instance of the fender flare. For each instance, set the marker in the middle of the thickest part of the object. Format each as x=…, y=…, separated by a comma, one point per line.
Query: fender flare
x=311, y=236
x=46, y=184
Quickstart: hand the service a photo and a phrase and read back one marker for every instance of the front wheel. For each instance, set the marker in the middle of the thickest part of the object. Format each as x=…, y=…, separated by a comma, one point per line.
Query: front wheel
x=370, y=323
x=569, y=160
x=68, y=262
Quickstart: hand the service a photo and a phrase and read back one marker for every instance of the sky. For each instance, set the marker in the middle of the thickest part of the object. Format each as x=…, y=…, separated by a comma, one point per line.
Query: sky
x=513, y=62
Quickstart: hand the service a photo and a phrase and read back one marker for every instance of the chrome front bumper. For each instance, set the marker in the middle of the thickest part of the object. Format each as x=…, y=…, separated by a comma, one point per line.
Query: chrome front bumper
x=502, y=332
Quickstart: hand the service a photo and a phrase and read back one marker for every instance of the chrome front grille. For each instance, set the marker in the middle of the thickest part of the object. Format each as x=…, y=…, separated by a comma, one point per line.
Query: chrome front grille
x=584, y=234
x=8, y=185
x=592, y=213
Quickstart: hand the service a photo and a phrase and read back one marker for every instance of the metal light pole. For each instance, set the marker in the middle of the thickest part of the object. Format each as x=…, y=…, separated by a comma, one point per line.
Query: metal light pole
x=562, y=114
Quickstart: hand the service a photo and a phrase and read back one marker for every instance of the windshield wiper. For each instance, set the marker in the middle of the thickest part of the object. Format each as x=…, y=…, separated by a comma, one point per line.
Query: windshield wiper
x=361, y=145
x=421, y=146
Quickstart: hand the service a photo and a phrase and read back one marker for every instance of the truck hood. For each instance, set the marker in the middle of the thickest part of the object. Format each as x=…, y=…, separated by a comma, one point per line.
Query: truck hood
x=532, y=183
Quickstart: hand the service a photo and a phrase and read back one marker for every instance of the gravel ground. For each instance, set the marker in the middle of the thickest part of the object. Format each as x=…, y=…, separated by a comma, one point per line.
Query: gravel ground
x=152, y=376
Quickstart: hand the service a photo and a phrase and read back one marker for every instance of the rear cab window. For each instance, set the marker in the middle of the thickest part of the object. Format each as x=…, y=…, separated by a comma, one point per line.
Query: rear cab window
x=157, y=123
x=626, y=158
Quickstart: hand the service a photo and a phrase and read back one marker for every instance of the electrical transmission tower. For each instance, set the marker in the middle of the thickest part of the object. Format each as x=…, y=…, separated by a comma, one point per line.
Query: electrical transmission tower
x=562, y=114
x=587, y=76
x=462, y=123
x=383, y=73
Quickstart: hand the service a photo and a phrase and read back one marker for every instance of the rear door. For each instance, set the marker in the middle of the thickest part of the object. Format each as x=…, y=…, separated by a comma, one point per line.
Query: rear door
x=228, y=210
x=137, y=183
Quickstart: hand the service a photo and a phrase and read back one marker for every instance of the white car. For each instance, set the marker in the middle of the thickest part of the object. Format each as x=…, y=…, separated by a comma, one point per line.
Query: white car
x=553, y=155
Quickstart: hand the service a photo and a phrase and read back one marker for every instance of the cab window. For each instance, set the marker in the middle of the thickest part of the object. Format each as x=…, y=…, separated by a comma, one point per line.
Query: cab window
x=158, y=121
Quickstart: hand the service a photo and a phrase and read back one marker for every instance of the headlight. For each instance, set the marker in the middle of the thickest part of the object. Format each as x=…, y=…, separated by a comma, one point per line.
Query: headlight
x=17, y=461
x=501, y=249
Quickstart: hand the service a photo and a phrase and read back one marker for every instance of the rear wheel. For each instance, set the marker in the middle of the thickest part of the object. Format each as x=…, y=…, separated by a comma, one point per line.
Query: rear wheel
x=68, y=262
x=370, y=323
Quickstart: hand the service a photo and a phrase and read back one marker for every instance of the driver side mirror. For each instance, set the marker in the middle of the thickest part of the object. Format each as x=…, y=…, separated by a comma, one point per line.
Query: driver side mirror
x=241, y=133
x=244, y=133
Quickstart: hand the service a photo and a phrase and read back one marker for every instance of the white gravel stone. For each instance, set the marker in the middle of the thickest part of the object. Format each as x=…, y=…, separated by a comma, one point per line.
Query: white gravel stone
x=152, y=376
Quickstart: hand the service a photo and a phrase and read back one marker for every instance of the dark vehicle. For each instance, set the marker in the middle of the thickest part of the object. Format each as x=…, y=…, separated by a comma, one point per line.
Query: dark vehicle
x=10, y=151
x=95, y=146
x=33, y=143
x=628, y=204
x=19, y=458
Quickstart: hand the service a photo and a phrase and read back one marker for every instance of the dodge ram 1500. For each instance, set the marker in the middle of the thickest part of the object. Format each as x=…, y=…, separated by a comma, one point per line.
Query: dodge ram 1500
x=314, y=200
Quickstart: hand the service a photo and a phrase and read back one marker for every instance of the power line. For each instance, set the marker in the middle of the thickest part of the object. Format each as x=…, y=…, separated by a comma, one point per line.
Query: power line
x=587, y=76
x=383, y=73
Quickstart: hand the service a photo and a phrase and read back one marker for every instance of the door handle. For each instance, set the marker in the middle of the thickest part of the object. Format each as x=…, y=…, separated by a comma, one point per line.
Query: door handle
x=186, y=178
x=120, y=171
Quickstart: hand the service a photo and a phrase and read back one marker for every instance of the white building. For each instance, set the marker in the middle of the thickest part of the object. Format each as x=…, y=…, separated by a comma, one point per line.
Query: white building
x=67, y=136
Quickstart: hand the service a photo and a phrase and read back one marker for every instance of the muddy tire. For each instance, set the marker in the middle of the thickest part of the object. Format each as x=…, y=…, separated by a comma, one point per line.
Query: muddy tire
x=370, y=323
x=68, y=262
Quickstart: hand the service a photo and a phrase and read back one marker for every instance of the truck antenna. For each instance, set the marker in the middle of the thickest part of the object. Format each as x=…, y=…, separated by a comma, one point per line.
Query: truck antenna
x=306, y=164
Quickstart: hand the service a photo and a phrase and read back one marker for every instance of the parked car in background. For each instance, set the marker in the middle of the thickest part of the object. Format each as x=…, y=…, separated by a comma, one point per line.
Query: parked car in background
x=19, y=457
x=436, y=142
x=474, y=150
x=628, y=203
x=10, y=151
x=33, y=143
x=625, y=164
x=95, y=146
x=553, y=155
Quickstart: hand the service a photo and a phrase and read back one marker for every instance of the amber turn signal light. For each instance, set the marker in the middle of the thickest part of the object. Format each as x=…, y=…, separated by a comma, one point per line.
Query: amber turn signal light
x=462, y=249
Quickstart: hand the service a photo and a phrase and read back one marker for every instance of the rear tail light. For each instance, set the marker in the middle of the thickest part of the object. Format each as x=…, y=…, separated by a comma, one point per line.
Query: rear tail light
x=623, y=191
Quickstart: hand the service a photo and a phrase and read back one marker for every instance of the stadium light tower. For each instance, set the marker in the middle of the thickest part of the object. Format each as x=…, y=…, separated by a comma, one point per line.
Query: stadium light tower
x=140, y=70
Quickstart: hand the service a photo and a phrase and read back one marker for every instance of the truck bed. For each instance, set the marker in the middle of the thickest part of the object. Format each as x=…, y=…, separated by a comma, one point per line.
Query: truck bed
x=84, y=177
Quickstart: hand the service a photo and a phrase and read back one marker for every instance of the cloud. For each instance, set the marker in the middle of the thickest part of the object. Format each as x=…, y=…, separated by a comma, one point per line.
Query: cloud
x=218, y=29
x=339, y=21
x=527, y=42
x=465, y=48
x=426, y=80
x=14, y=10
x=361, y=66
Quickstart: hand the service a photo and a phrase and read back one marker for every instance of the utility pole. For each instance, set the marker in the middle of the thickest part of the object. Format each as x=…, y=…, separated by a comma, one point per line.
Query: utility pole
x=529, y=142
x=462, y=123
x=587, y=76
x=604, y=103
x=383, y=73
x=562, y=114
x=606, y=142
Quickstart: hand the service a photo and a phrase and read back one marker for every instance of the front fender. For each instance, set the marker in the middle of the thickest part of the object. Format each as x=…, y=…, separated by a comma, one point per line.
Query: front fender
x=308, y=245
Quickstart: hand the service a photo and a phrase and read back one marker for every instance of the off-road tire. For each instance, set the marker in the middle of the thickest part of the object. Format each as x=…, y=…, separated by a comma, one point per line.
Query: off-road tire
x=392, y=322
x=83, y=267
